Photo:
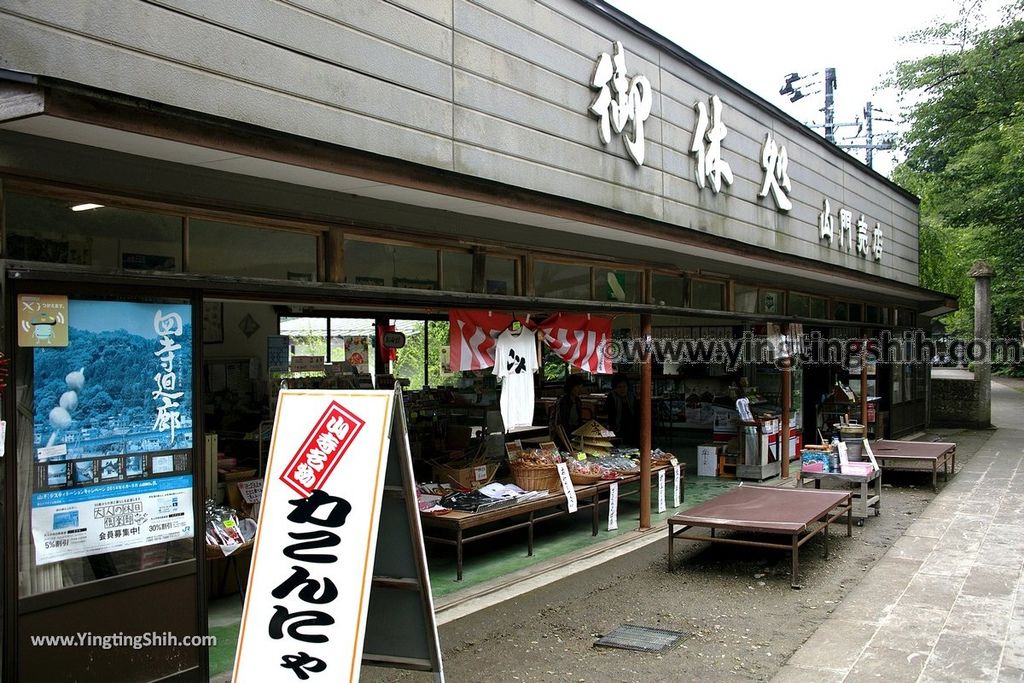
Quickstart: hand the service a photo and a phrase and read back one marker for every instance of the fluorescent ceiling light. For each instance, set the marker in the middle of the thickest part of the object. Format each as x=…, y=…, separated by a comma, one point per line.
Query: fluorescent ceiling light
x=86, y=207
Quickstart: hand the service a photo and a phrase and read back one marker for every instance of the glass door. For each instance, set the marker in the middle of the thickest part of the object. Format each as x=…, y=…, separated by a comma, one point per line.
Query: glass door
x=107, y=509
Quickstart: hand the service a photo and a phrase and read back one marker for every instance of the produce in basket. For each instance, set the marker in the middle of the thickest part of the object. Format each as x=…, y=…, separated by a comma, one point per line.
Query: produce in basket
x=537, y=457
x=618, y=463
x=587, y=468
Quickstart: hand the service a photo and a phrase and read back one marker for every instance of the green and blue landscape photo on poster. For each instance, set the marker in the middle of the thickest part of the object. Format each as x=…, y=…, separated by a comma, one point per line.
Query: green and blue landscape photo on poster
x=122, y=385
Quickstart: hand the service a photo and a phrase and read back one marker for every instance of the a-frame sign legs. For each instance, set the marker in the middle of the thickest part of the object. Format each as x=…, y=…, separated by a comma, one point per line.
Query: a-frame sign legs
x=400, y=628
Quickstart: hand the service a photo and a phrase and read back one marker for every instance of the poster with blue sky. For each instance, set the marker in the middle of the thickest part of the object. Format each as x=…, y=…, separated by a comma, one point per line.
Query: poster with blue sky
x=108, y=408
x=122, y=385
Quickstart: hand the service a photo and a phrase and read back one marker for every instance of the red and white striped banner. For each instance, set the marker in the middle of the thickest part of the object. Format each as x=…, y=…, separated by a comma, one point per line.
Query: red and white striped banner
x=471, y=337
x=579, y=339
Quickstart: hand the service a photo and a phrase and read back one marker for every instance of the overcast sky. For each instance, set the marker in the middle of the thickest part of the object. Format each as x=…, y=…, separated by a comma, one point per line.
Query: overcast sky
x=758, y=43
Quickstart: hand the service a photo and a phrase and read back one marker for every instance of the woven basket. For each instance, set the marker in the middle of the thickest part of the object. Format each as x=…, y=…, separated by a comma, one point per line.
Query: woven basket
x=584, y=479
x=530, y=477
x=213, y=552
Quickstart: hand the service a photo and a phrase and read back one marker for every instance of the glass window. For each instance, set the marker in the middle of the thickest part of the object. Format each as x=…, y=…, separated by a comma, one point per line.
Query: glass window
x=438, y=369
x=409, y=360
x=352, y=342
x=45, y=229
x=872, y=314
x=552, y=365
x=771, y=301
x=819, y=308
x=799, y=305
x=500, y=275
x=457, y=271
x=307, y=336
x=840, y=311
x=230, y=249
x=561, y=280
x=618, y=285
x=744, y=298
x=707, y=295
x=856, y=312
x=669, y=290
x=390, y=265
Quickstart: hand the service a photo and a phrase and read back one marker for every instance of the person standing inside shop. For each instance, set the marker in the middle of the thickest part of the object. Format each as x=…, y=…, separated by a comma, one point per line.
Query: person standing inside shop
x=568, y=409
x=621, y=409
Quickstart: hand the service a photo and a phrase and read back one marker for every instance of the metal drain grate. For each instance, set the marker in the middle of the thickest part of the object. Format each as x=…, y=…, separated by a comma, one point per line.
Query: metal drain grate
x=642, y=638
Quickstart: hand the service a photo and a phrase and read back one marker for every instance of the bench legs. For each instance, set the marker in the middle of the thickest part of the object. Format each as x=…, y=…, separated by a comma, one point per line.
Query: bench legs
x=458, y=554
x=671, y=560
x=795, y=559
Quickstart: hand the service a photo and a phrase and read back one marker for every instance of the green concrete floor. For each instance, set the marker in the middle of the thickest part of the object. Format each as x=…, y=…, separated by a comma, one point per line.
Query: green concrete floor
x=555, y=538
x=506, y=553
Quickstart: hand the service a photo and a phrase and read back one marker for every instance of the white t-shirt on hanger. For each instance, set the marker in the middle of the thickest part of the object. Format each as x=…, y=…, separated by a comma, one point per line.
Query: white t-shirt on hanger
x=515, y=361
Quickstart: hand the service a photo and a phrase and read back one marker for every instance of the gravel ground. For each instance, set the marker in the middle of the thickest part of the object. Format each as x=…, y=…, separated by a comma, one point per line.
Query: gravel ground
x=742, y=618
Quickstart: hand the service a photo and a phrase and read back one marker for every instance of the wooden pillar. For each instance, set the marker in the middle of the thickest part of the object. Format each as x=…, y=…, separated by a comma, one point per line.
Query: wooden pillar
x=645, y=424
x=864, y=386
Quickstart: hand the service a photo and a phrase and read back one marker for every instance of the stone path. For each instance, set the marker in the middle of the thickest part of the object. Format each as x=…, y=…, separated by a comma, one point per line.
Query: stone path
x=946, y=602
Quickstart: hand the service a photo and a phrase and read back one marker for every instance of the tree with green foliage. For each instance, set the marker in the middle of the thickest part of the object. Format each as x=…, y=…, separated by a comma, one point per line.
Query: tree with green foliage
x=965, y=159
x=409, y=359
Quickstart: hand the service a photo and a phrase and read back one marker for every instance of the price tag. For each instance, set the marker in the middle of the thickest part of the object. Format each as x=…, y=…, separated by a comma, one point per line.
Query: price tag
x=844, y=457
x=673, y=461
x=480, y=473
x=613, y=506
x=677, y=492
x=661, y=491
x=567, y=489
x=581, y=456
x=251, y=490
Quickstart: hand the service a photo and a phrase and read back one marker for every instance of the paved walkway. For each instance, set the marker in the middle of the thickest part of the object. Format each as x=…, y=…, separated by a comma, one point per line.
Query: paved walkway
x=946, y=603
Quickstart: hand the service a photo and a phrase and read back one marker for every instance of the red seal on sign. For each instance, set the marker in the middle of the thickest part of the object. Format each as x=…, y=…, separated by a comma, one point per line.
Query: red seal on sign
x=322, y=450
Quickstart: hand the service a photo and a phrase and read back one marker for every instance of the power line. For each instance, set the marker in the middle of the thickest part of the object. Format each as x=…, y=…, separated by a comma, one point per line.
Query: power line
x=800, y=86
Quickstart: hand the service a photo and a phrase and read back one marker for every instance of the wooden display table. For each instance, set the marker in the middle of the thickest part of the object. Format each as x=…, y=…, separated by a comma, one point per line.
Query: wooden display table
x=916, y=456
x=796, y=514
x=867, y=489
x=455, y=525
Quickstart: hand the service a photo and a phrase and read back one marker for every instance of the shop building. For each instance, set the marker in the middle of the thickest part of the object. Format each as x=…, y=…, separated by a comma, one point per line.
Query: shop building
x=323, y=171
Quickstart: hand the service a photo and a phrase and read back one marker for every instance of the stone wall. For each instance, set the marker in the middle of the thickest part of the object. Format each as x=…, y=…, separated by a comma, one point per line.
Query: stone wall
x=954, y=403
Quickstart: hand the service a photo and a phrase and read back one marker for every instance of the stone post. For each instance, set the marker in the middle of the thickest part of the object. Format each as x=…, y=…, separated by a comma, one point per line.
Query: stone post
x=982, y=273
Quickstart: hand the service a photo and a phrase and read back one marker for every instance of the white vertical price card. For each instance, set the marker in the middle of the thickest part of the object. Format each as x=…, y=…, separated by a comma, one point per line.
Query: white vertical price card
x=613, y=506
x=661, y=491
x=567, y=487
x=678, y=489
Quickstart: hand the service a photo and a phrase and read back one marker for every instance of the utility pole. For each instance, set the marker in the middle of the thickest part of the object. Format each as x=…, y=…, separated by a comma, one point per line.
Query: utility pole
x=798, y=87
x=830, y=86
x=868, y=118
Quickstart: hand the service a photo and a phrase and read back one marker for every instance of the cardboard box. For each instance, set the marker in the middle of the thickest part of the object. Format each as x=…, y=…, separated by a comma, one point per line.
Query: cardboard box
x=465, y=477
